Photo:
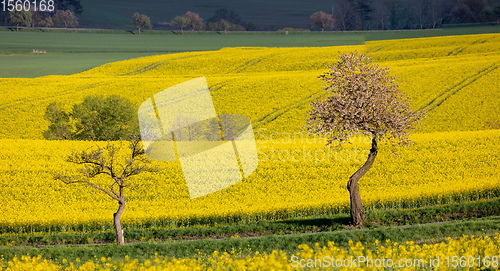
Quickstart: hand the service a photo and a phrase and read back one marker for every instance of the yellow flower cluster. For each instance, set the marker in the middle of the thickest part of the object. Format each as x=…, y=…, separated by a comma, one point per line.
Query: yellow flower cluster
x=297, y=176
x=467, y=253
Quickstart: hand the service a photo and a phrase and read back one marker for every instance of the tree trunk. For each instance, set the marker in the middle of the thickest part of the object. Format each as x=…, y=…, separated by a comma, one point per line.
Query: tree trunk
x=118, y=226
x=357, y=210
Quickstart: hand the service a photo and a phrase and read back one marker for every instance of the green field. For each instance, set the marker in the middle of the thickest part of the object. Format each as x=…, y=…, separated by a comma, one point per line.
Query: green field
x=70, y=53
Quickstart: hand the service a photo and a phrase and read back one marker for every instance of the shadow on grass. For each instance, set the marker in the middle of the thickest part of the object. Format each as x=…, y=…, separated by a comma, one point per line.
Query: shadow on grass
x=333, y=223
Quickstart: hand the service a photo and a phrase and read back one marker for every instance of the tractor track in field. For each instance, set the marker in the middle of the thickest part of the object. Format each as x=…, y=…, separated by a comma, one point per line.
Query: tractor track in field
x=247, y=65
x=155, y=65
x=57, y=94
x=282, y=110
x=443, y=96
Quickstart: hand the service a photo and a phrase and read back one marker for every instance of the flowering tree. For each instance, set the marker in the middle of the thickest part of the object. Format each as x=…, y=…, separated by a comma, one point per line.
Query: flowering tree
x=322, y=20
x=195, y=19
x=362, y=98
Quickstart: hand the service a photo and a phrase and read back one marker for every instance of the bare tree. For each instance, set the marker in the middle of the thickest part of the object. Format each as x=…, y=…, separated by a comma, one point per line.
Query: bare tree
x=363, y=10
x=496, y=11
x=345, y=15
x=226, y=25
x=47, y=22
x=436, y=13
x=420, y=8
x=103, y=161
x=322, y=20
x=65, y=18
x=196, y=20
x=362, y=98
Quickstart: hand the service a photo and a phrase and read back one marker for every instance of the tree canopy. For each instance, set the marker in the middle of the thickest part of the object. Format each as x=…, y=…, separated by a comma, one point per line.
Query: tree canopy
x=65, y=18
x=322, y=20
x=141, y=21
x=96, y=118
x=195, y=19
x=181, y=22
x=18, y=18
x=362, y=98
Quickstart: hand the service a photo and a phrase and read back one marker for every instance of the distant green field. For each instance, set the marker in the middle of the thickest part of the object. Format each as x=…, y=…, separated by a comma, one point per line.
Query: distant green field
x=69, y=53
x=73, y=52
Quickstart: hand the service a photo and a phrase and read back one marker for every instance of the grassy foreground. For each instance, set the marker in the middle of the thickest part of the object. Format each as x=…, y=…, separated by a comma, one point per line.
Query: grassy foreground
x=398, y=225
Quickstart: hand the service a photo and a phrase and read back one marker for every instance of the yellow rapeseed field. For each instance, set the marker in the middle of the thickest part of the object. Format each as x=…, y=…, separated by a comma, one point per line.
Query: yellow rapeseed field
x=273, y=86
x=295, y=177
x=455, y=156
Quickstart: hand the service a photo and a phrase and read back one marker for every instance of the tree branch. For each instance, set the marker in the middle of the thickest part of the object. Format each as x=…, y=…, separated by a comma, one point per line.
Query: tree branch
x=75, y=179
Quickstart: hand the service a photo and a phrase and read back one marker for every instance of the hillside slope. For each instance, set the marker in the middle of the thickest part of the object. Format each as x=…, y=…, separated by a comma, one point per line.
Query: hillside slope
x=455, y=78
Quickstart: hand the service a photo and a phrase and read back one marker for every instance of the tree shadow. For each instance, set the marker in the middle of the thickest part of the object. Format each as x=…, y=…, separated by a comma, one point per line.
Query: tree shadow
x=318, y=222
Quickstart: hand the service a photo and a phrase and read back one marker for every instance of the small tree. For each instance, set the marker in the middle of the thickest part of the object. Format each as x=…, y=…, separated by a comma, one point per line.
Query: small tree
x=96, y=118
x=47, y=22
x=196, y=20
x=181, y=22
x=226, y=25
x=225, y=14
x=104, y=118
x=322, y=20
x=19, y=18
x=251, y=27
x=104, y=161
x=60, y=127
x=140, y=21
x=36, y=17
x=496, y=11
x=362, y=98
x=65, y=18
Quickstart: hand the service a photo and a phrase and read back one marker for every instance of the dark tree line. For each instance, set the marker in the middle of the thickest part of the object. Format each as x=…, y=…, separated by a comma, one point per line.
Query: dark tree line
x=411, y=14
x=62, y=15
x=347, y=15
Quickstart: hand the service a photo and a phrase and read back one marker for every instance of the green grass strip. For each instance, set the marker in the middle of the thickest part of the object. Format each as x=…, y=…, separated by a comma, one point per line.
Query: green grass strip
x=419, y=233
